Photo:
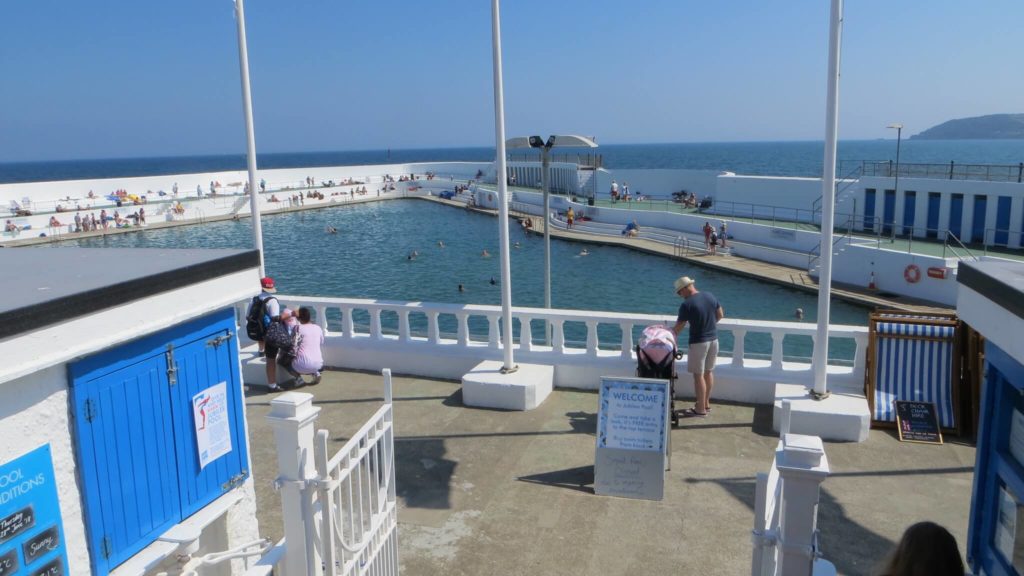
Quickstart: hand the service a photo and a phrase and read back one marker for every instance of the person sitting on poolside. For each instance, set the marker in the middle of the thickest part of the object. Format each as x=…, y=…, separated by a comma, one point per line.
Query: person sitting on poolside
x=631, y=230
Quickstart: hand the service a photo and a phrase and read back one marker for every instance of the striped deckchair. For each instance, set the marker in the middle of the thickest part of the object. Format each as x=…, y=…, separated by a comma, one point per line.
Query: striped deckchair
x=913, y=357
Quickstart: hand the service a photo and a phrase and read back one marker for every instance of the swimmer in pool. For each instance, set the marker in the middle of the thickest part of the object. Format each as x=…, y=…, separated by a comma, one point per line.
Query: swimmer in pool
x=462, y=288
x=485, y=254
x=332, y=230
x=493, y=281
x=584, y=252
x=440, y=243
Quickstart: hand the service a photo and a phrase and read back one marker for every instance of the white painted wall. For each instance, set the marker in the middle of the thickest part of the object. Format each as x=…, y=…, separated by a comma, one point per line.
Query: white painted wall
x=34, y=396
x=854, y=264
x=781, y=192
x=658, y=183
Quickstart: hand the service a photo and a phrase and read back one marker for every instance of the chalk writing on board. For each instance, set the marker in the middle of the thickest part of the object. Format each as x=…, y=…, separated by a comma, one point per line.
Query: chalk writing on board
x=16, y=523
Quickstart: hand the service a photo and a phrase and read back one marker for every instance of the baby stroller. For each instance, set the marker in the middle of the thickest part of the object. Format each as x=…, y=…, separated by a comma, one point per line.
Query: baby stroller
x=656, y=356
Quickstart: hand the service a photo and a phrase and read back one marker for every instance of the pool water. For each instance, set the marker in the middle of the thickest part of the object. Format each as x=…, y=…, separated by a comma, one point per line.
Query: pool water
x=368, y=258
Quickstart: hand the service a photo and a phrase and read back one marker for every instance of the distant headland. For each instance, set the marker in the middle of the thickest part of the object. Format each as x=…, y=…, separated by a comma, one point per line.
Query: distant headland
x=991, y=127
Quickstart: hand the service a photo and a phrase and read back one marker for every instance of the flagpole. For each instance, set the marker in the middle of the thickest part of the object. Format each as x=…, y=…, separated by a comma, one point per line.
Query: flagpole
x=499, y=134
x=250, y=134
x=819, y=361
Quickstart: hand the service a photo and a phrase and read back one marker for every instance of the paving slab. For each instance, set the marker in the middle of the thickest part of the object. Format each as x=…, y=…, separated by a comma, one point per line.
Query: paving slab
x=495, y=492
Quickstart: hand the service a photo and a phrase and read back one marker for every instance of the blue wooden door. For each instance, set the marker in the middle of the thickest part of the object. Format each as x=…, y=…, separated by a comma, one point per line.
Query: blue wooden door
x=1002, y=235
x=934, y=205
x=998, y=497
x=203, y=363
x=909, y=205
x=888, y=212
x=126, y=457
x=978, y=219
x=956, y=214
x=136, y=433
x=869, y=209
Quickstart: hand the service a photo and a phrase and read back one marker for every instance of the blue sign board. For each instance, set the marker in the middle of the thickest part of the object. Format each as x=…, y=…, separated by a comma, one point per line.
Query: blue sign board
x=31, y=533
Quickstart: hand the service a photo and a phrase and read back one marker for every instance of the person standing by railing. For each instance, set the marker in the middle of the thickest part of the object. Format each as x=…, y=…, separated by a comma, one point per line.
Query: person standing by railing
x=702, y=311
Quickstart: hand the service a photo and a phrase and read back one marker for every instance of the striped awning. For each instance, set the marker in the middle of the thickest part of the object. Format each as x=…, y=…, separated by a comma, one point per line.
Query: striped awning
x=914, y=362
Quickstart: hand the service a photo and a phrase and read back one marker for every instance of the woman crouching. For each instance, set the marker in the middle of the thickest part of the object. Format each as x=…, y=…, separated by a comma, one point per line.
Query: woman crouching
x=306, y=356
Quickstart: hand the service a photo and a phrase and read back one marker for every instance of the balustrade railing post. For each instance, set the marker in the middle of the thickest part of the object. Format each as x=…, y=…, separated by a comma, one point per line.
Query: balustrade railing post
x=492, y=331
x=591, y=338
x=375, y=329
x=738, y=346
x=525, y=334
x=403, y=325
x=433, y=332
x=463, y=330
x=321, y=319
x=558, y=336
x=627, y=339
x=860, y=353
x=777, y=339
x=348, y=326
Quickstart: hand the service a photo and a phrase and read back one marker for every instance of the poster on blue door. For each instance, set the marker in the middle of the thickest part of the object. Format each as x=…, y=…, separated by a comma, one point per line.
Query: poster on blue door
x=213, y=428
x=31, y=532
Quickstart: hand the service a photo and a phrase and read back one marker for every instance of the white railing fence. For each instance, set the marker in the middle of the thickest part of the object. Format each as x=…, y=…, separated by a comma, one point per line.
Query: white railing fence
x=358, y=506
x=785, y=534
x=360, y=331
x=340, y=512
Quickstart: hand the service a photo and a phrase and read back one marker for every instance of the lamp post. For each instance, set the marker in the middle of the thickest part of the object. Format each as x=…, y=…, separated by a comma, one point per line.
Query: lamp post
x=896, y=183
x=250, y=134
x=545, y=155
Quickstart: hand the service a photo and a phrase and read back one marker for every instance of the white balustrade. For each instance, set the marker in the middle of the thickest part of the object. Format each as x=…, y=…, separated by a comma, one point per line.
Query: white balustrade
x=587, y=336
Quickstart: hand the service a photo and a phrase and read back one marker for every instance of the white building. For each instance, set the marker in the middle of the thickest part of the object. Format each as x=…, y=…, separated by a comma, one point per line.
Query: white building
x=121, y=408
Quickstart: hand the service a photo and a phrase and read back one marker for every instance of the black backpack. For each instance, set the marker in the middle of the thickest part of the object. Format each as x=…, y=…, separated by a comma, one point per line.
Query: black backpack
x=257, y=320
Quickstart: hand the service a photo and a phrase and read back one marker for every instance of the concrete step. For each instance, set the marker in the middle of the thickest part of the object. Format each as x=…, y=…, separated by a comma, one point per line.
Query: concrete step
x=843, y=416
x=525, y=389
x=254, y=368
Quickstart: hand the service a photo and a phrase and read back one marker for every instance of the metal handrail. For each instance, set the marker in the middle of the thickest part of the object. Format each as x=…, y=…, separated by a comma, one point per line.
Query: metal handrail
x=952, y=248
x=951, y=171
x=991, y=232
x=815, y=253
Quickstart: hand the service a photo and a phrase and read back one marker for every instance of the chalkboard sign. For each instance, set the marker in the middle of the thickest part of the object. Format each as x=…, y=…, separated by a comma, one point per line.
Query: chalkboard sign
x=918, y=422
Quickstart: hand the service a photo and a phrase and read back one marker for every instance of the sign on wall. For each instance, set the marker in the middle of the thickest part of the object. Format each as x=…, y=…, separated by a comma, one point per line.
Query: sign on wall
x=632, y=438
x=31, y=532
x=213, y=429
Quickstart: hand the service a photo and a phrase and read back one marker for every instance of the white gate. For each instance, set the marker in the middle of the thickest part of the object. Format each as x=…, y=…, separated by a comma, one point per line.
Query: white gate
x=356, y=488
x=340, y=514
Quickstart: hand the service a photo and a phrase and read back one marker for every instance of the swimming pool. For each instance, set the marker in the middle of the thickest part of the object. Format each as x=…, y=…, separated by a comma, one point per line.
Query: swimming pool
x=368, y=258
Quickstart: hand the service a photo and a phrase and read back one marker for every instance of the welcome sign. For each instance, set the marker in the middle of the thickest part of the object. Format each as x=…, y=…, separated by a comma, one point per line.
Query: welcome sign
x=632, y=438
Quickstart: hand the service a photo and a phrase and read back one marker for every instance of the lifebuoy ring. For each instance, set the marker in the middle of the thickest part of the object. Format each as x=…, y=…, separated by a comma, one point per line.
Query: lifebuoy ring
x=912, y=274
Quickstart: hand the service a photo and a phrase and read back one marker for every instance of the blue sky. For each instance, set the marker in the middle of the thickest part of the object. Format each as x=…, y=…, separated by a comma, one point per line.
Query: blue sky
x=125, y=78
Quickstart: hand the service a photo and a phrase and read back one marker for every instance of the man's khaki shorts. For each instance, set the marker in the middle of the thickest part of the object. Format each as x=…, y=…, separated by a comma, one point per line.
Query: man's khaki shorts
x=701, y=357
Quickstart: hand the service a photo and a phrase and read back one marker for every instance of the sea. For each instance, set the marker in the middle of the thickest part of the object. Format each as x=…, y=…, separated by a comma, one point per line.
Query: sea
x=750, y=158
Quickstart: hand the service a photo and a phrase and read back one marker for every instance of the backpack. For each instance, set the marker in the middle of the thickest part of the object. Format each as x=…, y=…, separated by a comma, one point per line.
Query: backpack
x=257, y=320
x=278, y=335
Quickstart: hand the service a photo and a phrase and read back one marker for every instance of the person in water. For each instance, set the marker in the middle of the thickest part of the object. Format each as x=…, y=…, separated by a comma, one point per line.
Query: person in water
x=584, y=252
x=485, y=253
x=440, y=243
x=462, y=288
x=332, y=230
x=493, y=281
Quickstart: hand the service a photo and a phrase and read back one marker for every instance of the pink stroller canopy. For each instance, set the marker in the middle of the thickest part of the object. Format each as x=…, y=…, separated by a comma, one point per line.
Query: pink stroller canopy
x=658, y=342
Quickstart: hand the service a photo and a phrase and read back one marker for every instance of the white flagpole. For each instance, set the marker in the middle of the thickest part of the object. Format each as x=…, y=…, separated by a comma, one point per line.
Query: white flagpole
x=499, y=134
x=828, y=201
x=250, y=134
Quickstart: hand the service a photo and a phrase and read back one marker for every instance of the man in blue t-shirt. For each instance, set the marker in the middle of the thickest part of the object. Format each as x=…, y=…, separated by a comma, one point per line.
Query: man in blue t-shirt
x=702, y=312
